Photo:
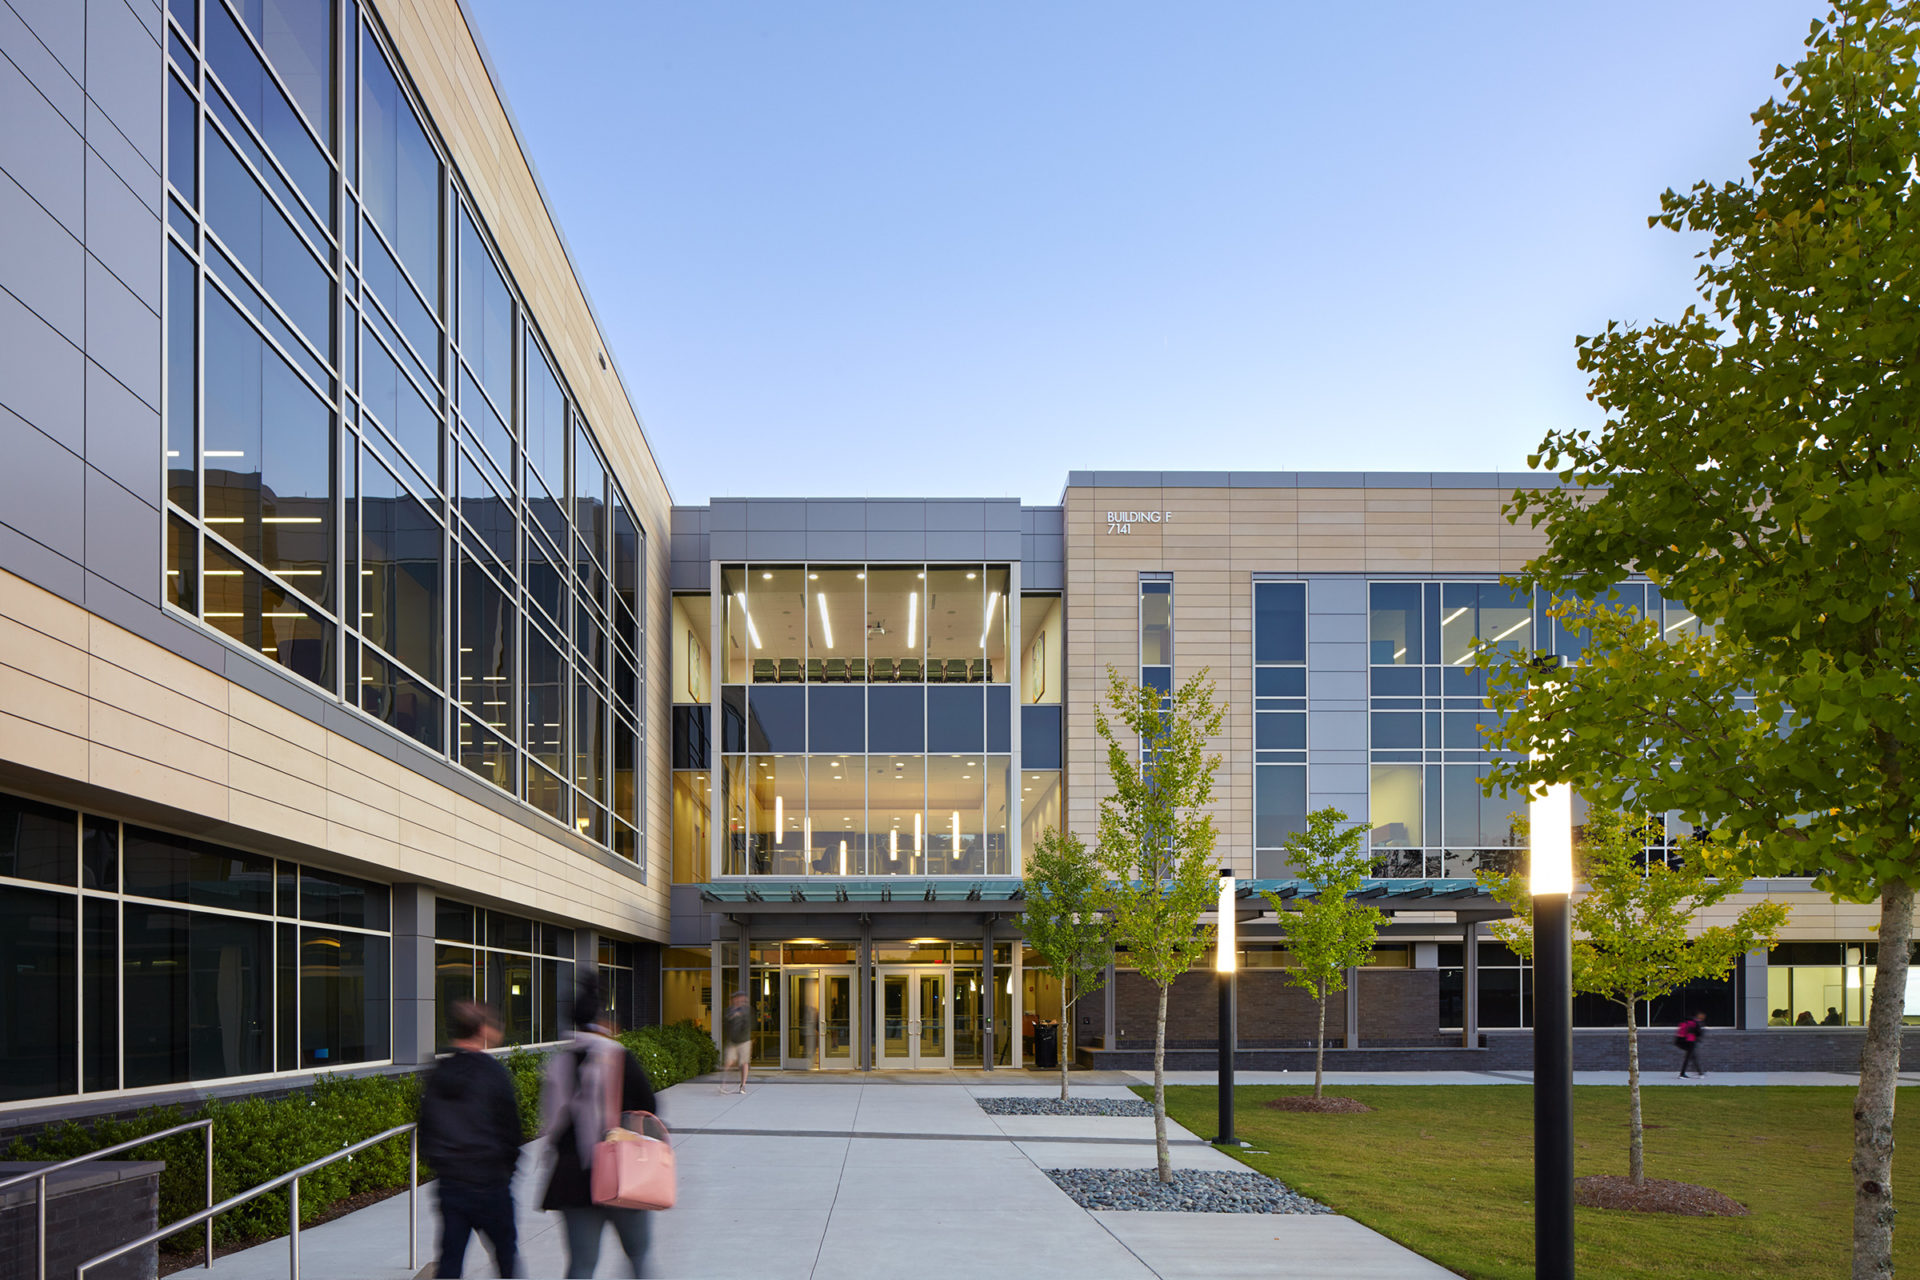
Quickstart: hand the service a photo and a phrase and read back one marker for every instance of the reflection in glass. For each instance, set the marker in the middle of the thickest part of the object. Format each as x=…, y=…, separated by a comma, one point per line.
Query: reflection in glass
x=183, y=141
x=546, y=576
x=486, y=316
x=1395, y=806
x=297, y=36
x=399, y=172
x=183, y=565
x=400, y=570
x=734, y=799
x=776, y=604
x=392, y=398
x=741, y=643
x=546, y=701
x=260, y=239
x=198, y=995
x=546, y=437
x=230, y=56
x=1156, y=623
x=183, y=482
x=267, y=619
x=992, y=650
x=393, y=697
x=1473, y=611
x=589, y=496
x=487, y=513
x=486, y=661
x=590, y=743
x=1279, y=804
x=996, y=841
x=344, y=987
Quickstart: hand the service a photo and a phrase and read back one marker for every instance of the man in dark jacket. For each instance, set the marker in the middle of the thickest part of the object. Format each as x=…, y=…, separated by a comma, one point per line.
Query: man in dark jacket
x=470, y=1134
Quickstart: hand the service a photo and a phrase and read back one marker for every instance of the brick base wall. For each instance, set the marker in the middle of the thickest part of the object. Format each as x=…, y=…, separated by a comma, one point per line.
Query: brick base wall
x=1397, y=1007
x=90, y=1209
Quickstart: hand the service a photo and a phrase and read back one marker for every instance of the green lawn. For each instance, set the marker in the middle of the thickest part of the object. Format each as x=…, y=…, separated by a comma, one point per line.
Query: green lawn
x=1448, y=1172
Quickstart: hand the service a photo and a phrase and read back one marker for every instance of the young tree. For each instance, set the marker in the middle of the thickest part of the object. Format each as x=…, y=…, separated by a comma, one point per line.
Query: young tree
x=1328, y=933
x=1156, y=845
x=1064, y=924
x=1760, y=462
x=1630, y=940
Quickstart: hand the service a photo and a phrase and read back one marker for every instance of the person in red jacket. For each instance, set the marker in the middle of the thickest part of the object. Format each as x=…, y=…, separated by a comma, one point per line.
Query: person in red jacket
x=1686, y=1038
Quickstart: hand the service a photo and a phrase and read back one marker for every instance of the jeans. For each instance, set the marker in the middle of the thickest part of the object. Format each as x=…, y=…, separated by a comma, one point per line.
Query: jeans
x=466, y=1208
x=1692, y=1059
x=586, y=1226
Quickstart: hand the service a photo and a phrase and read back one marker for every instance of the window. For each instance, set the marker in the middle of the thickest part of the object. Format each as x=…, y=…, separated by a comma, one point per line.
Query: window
x=523, y=968
x=399, y=171
x=1279, y=720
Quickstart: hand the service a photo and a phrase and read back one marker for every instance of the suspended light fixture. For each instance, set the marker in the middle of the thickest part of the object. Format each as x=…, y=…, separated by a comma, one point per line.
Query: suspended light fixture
x=826, y=623
x=843, y=857
x=993, y=598
x=916, y=835
x=893, y=845
x=913, y=608
x=779, y=818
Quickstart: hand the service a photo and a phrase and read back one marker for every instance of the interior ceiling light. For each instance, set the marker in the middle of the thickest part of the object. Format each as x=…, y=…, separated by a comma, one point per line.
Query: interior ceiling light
x=993, y=599
x=913, y=606
x=826, y=623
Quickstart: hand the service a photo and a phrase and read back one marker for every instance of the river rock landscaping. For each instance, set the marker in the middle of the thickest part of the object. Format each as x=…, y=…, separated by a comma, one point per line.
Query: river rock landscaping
x=1071, y=1107
x=1192, y=1191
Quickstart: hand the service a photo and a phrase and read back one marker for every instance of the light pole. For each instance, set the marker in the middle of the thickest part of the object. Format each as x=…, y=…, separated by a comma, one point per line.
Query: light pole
x=1550, y=833
x=1226, y=964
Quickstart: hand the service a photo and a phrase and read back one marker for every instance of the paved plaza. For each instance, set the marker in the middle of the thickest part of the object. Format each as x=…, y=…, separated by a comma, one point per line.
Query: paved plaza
x=850, y=1178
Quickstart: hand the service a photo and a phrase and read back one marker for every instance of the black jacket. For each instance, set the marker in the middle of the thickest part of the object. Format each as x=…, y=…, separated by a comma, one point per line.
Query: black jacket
x=469, y=1120
x=571, y=1184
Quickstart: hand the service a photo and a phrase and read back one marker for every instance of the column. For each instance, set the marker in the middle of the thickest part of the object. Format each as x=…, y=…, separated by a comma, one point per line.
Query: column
x=986, y=993
x=746, y=964
x=413, y=971
x=1470, y=986
x=1108, y=1031
x=1353, y=1008
x=586, y=964
x=1753, y=989
x=863, y=1000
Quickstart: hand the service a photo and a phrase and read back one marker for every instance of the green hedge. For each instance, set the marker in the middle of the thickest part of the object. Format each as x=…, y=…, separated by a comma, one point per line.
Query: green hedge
x=257, y=1139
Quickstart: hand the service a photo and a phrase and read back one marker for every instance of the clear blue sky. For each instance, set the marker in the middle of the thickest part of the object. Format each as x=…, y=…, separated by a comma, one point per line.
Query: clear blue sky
x=943, y=249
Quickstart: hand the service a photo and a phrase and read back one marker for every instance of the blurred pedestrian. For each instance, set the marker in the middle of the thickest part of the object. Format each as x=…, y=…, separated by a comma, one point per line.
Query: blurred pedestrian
x=576, y=1115
x=738, y=1034
x=1687, y=1038
x=470, y=1134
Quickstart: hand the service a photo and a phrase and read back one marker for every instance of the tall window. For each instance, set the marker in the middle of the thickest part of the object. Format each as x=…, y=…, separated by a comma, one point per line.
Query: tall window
x=1279, y=720
x=375, y=477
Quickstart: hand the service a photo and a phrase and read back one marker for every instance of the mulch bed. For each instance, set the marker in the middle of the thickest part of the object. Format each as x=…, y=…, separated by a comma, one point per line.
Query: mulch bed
x=171, y=1262
x=1324, y=1106
x=1658, y=1195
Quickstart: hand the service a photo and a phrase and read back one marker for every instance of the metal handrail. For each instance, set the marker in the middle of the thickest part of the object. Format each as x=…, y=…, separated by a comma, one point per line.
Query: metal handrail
x=40, y=1175
x=293, y=1206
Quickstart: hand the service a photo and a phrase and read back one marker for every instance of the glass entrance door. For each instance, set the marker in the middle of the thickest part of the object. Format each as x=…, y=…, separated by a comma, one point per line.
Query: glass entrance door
x=916, y=1018
x=817, y=1030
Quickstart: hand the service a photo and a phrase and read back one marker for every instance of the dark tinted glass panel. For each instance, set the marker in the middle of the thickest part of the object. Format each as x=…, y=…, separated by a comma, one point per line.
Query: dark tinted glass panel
x=198, y=993
x=1286, y=682
x=400, y=578
x=1279, y=622
x=733, y=719
x=626, y=559
x=99, y=853
x=1459, y=682
x=38, y=1022
x=1156, y=624
x=183, y=565
x=488, y=624
x=626, y=681
x=487, y=513
x=1000, y=719
x=1394, y=682
x=486, y=754
x=182, y=293
x=514, y=933
x=453, y=979
x=186, y=13
x=546, y=577
x=546, y=698
x=836, y=718
x=777, y=719
x=344, y=998
x=484, y=426
x=265, y=619
x=1160, y=678
x=590, y=743
x=298, y=38
x=100, y=994
x=399, y=172
x=269, y=456
x=589, y=638
x=452, y=921
x=1040, y=737
x=232, y=58
x=589, y=495
x=626, y=761
x=265, y=243
x=38, y=841
x=690, y=738
x=556, y=994
x=1279, y=803
x=161, y=865
x=329, y=898
x=897, y=721
x=399, y=406
x=242, y=140
x=183, y=140
x=1396, y=731
x=403, y=304
x=1395, y=636
x=546, y=422
x=1280, y=731
x=486, y=316
x=395, y=698
x=287, y=997
x=956, y=719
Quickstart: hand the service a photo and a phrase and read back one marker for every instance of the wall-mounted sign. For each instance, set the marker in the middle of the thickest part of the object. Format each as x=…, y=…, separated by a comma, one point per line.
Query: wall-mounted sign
x=1123, y=521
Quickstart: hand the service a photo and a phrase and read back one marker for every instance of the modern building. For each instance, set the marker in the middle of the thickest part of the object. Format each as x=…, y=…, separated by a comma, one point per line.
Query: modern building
x=354, y=657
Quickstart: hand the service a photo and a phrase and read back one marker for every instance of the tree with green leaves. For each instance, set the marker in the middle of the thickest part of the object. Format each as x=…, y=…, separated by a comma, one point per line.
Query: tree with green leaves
x=1327, y=933
x=1631, y=938
x=1760, y=462
x=1156, y=844
x=1063, y=923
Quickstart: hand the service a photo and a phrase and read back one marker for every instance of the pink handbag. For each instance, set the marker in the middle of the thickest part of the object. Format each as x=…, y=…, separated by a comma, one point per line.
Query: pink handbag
x=632, y=1168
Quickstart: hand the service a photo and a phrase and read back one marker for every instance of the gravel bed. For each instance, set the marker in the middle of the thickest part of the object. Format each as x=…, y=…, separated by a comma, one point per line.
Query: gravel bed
x=1193, y=1191
x=1071, y=1107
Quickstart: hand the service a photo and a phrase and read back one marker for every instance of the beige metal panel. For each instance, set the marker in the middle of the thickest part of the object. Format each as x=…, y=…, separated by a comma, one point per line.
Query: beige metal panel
x=50, y=705
x=49, y=750
x=115, y=686
x=147, y=779
x=38, y=654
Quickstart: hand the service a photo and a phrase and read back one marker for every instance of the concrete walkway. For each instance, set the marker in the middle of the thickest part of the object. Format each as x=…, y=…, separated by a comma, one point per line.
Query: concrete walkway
x=849, y=1178
x=1648, y=1077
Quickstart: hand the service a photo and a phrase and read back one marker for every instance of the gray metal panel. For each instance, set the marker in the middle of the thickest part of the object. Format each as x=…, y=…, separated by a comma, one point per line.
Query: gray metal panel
x=123, y=435
x=1399, y=479
x=283, y=690
x=837, y=516
x=40, y=565
x=1528, y=480
x=1042, y=577
x=726, y=513
x=123, y=230
x=122, y=335
x=836, y=544
x=1128, y=479
x=41, y=376
x=1337, y=627
x=42, y=489
x=62, y=26
x=896, y=544
x=1336, y=657
x=123, y=74
x=1195, y=479
x=39, y=149
x=777, y=544
x=956, y=546
x=1048, y=520
x=41, y=68
x=1003, y=545
x=1263, y=480
x=687, y=577
x=956, y=516
x=112, y=146
x=1336, y=730
x=1002, y=516
x=685, y=547
x=139, y=615
x=727, y=544
x=690, y=925
x=40, y=263
x=1080, y=479
x=1336, y=686
x=1348, y=779
x=1465, y=480
x=896, y=515
x=687, y=521
x=1330, y=479
x=123, y=537
x=776, y=515
x=1337, y=596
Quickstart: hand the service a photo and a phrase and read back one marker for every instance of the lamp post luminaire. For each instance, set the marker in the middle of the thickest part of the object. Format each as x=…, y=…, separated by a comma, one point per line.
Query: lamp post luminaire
x=1226, y=957
x=1550, y=831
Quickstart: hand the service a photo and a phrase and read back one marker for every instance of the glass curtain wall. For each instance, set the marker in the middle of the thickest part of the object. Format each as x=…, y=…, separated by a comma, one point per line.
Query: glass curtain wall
x=374, y=477
x=131, y=957
x=1279, y=720
x=866, y=717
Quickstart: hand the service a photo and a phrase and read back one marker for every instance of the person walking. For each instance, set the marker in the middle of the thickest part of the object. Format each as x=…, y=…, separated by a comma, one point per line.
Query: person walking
x=470, y=1134
x=576, y=1114
x=737, y=1032
x=1687, y=1038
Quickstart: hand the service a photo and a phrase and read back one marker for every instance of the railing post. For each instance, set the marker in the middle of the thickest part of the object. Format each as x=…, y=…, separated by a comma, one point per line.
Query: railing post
x=413, y=1198
x=293, y=1230
x=41, y=1182
x=209, y=1195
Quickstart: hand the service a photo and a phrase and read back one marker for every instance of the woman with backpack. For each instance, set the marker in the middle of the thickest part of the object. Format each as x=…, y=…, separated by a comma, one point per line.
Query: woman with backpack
x=1686, y=1038
x=576, y=1104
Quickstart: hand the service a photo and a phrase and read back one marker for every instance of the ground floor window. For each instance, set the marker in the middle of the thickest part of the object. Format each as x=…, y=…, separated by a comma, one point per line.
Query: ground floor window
x=522, y=968
x=1828, y=984
x=1506, y=996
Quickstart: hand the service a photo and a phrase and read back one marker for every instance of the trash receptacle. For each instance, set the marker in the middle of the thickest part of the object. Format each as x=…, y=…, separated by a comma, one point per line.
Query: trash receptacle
x=1046, y=1045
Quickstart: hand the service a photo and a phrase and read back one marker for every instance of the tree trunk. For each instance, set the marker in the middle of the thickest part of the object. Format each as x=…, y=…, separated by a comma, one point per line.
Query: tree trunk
x=1160, y=1093
x=1873, y=1106
x=1636, y=1153
x=1320, y=1046
x=1060, y=1033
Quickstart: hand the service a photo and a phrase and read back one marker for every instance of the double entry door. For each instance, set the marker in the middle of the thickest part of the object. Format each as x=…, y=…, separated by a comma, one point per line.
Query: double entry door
x=821, y=1019
x=916, y=1017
